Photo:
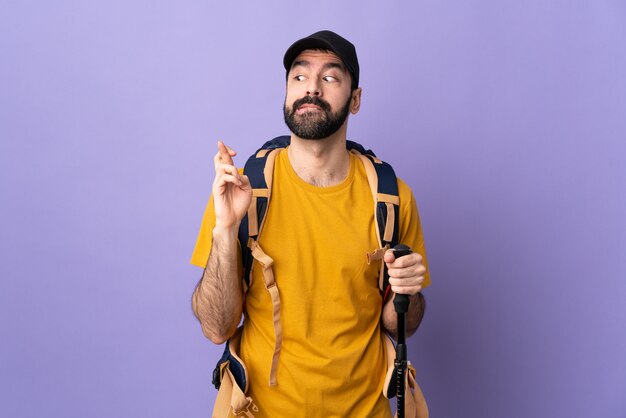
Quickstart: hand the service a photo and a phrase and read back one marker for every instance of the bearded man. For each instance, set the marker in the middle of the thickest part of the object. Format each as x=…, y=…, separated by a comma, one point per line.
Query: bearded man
x=331, y=358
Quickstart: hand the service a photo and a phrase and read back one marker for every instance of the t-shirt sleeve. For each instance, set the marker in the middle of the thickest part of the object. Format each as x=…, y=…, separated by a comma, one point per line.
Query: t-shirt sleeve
x=204, y=241
x=411, y=232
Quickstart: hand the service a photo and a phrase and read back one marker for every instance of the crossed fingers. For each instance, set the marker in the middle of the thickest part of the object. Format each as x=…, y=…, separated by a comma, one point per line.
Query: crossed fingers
x=225, y=170
x=224, y=155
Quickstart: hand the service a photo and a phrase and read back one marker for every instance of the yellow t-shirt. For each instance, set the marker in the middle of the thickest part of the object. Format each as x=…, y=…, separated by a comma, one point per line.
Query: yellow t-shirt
x=333, y=360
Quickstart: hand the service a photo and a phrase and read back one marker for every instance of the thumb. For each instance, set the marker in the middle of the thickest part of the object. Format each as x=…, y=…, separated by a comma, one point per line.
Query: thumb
x=389, y=256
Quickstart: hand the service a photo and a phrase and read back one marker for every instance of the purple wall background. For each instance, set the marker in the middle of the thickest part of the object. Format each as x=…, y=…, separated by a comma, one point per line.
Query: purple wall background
x=507, y=118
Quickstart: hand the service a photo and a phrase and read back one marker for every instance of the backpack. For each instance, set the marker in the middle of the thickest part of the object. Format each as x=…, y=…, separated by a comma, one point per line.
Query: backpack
x=259, y=168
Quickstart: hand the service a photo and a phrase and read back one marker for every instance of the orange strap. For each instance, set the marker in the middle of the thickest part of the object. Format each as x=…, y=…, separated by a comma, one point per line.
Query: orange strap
x=389, y=200
x=266, y=263
x=372, y=179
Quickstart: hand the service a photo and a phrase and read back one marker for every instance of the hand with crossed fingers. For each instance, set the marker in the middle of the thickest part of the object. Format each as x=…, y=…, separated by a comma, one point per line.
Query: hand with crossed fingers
x=232, y=192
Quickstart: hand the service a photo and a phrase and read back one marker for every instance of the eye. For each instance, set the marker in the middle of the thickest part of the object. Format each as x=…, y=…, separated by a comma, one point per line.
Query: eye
x=299, y=77
x=329, y=78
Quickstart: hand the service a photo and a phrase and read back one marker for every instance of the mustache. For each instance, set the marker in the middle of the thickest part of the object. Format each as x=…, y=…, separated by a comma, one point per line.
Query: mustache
x=314, y=100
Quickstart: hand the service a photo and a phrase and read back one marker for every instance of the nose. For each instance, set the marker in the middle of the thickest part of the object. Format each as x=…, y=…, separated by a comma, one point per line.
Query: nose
x=313, y=87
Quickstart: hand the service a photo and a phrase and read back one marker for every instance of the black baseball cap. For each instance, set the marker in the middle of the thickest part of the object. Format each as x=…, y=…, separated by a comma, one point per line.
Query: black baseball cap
x=330, y=41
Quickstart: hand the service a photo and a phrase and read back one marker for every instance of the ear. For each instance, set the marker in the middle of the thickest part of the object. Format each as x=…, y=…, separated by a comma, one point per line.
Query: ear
x=355, y=101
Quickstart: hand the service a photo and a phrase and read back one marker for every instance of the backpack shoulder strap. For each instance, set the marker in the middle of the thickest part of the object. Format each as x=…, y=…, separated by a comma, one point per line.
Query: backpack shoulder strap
x=384, y=187
x=259, y=168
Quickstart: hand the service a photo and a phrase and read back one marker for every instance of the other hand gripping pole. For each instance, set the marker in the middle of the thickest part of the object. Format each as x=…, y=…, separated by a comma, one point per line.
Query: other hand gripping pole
x=401, y=304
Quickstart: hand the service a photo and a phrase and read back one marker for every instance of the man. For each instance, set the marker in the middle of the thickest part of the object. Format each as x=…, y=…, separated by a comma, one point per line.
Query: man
x=319, y=226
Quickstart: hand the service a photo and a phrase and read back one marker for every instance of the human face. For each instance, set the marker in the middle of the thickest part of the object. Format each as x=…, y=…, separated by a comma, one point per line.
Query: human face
x=319, y=96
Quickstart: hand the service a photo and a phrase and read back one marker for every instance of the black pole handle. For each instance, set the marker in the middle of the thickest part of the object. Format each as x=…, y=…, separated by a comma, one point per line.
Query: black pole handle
x=401, y=302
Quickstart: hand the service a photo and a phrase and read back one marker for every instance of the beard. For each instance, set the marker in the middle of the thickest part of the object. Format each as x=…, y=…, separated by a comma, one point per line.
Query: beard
x=315, y=125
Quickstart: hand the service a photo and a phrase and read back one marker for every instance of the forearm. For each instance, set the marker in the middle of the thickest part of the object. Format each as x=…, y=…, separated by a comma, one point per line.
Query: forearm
x=217, y=300
x=417, y=307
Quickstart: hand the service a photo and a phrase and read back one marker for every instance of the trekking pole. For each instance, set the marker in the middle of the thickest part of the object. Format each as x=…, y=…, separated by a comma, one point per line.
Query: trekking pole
x=401, y=304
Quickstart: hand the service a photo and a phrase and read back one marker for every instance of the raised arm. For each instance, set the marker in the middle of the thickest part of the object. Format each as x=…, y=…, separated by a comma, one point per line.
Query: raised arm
x=217, y=300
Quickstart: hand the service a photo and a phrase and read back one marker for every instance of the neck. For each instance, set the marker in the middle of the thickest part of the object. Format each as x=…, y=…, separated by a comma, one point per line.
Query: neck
x=324, y=162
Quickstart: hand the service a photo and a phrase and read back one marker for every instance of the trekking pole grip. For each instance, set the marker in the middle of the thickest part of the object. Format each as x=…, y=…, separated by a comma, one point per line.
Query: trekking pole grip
x=401, y=302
